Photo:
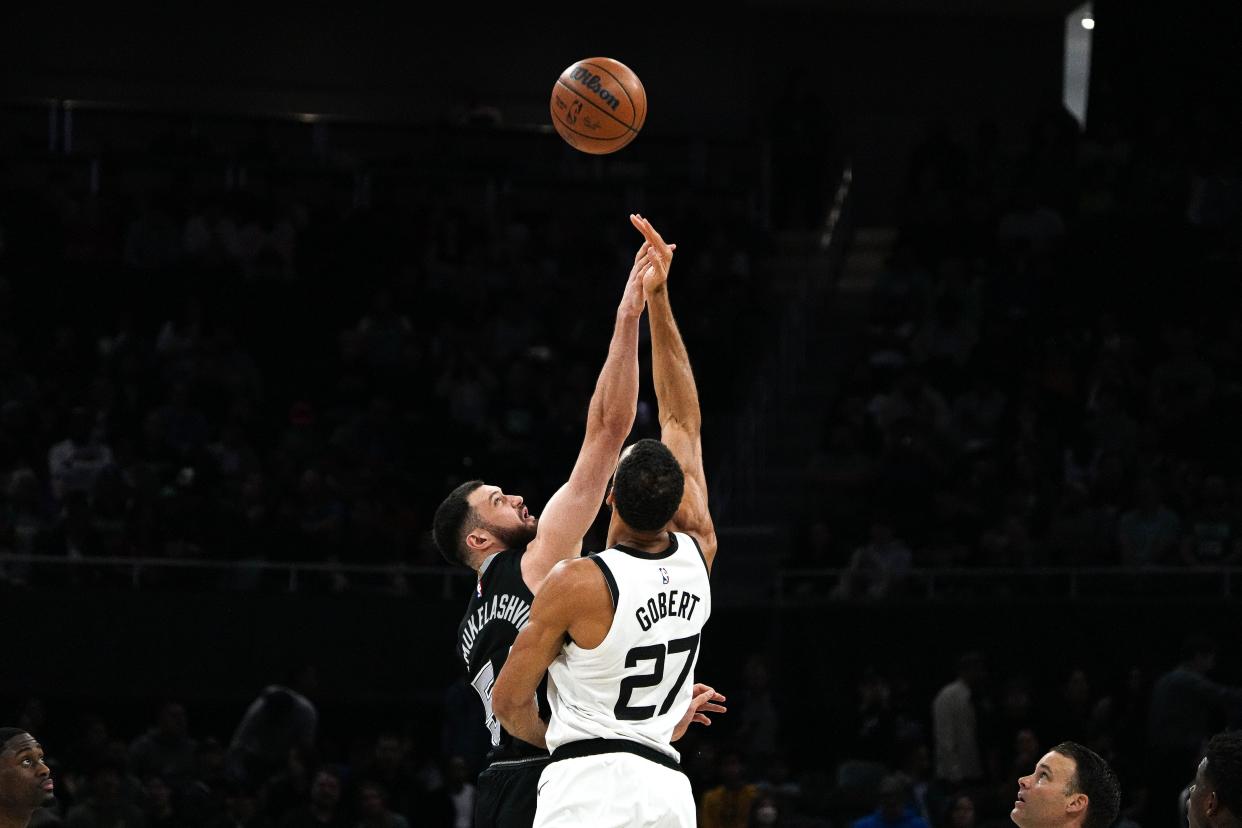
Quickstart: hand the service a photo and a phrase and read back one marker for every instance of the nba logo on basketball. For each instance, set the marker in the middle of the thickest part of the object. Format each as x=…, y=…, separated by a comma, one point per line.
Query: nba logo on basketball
x=664, y=575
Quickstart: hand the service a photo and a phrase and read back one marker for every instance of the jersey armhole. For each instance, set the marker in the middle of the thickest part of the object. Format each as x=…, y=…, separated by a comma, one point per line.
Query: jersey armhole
x=699, y=549
x=612, y=582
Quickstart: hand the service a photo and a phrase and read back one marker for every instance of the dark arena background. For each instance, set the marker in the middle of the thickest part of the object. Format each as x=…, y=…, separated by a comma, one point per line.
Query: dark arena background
x=958, y=281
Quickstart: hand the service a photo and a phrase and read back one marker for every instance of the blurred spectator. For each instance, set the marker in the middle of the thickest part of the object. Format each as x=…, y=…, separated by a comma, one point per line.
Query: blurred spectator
x=158, y=804
x=878, y=568
x=961, y=811
x=1212, y=538
x=75, y=462
x=373, y=808
x=955, y=724
x=461, y=791
x=289, y=787
x=1186, y=708
x=756, y=711
x=765, y=811
x=894, y=810
x=166, y=750
x=729, y=804
x=241, y=809
x=279, y=720
x=323, y=808
x=1148, y=534
x=106, y=807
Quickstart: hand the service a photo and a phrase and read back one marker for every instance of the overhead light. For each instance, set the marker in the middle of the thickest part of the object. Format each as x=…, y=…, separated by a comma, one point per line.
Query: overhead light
x=1088, y=22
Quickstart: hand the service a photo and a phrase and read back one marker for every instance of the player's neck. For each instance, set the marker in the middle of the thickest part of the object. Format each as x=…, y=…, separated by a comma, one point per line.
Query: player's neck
x=652, y=542
x=9, y=819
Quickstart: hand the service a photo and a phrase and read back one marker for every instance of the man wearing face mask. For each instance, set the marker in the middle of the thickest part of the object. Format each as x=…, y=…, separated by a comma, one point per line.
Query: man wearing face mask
x=1216, y=797
x=1071, y=787
x=765, y=812
x=25, y=779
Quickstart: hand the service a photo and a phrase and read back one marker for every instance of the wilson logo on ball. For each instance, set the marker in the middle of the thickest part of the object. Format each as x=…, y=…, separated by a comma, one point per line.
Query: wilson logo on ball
x=591, y=81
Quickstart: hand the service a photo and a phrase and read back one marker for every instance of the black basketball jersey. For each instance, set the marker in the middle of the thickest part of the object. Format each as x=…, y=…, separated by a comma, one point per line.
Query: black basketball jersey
x=498, y=610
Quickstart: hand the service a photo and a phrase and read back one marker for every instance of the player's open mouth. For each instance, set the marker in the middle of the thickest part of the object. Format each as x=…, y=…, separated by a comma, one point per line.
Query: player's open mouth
x=47, y=785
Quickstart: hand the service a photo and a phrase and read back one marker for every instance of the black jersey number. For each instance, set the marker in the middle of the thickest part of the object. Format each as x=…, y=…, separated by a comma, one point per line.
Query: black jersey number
x=656, y=653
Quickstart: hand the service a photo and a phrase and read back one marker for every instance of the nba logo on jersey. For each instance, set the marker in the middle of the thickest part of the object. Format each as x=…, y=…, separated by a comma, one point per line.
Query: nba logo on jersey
x=478, y=587
x=664, y=575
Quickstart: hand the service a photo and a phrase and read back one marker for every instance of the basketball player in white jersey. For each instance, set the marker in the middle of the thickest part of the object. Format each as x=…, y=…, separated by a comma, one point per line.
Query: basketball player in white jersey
x=618, y=632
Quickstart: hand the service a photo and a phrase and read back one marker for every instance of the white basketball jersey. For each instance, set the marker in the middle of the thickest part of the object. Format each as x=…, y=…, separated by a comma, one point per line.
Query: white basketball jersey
x=638, y=682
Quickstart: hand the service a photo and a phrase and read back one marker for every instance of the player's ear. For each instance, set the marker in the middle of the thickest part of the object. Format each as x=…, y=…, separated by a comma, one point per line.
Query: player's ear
x=478, y=538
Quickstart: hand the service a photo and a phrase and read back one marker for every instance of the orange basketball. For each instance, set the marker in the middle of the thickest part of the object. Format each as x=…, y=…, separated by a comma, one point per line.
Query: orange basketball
x=598, y=105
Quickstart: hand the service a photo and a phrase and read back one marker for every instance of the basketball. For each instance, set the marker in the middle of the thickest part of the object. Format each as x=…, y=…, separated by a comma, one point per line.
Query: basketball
x=598, y=105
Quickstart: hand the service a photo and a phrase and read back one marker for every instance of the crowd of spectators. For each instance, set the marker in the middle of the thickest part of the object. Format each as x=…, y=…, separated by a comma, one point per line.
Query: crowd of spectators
x=884, y=744
x=1050, y=366
x=287, y=371
x=268, y=375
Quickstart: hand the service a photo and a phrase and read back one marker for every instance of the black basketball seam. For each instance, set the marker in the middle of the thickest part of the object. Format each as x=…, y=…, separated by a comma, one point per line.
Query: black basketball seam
x=597, y=106
x=638, y=122
x=620, y=85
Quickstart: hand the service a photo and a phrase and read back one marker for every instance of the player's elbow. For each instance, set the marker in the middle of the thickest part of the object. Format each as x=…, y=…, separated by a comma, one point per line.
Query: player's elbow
x=689, y=423
x=612, y=422
x=505, y=704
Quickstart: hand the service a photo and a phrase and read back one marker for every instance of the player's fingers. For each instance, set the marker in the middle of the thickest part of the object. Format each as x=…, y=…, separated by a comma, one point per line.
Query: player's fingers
x=713, y=708
x=649, y=232
x=701, y=719
x=653, y=235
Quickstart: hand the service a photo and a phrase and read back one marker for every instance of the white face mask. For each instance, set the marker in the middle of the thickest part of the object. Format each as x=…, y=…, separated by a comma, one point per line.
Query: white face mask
x=766, y=815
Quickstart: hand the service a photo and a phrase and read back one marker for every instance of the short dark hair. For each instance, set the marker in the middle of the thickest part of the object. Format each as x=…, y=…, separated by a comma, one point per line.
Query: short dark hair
x=1224, y=769
x=1093, y=777
x=7, y=733
x=451, y=522
x=648, y=486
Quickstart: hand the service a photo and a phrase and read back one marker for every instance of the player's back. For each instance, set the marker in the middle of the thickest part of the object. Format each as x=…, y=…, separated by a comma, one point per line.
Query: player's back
x=638, y=682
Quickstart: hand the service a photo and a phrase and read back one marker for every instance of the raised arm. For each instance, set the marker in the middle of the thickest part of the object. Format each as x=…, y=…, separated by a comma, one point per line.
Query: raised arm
x=676, y=393
x=572, y=510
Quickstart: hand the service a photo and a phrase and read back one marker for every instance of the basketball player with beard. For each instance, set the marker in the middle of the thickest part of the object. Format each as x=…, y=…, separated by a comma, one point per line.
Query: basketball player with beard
x=481, y=526
x=25, y=779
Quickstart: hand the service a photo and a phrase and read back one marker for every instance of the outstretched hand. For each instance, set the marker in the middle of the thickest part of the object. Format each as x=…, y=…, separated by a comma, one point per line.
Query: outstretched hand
x=704, y=701
x=633, y=299
x=660, y=255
